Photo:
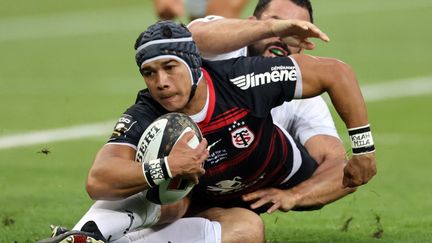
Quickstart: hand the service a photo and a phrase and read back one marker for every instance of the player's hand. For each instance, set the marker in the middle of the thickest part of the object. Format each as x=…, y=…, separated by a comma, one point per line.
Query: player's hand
x=186, y=161
x=280, y=199
x=359, y=170
x=296, y=32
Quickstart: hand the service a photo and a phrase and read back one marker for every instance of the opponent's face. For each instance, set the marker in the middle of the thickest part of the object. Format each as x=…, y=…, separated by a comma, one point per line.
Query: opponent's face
x=169, y=82
x=272, y=47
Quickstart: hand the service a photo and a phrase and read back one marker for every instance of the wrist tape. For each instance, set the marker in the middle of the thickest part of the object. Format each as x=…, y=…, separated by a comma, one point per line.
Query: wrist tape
x=361, y=140
x=156, y=171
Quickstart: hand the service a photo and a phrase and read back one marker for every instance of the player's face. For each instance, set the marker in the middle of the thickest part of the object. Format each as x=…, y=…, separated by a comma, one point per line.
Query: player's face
x=169, y=82
x=272, y=47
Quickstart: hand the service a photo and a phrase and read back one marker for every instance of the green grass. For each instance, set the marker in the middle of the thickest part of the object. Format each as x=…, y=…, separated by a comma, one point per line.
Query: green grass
x=72, y=62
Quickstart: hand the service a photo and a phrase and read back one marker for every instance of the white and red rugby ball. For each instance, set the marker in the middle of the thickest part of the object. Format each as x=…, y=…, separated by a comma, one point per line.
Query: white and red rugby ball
x=157, y=142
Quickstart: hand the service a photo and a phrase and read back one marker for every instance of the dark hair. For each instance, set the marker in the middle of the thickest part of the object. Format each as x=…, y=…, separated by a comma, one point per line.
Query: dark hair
x=263, y=4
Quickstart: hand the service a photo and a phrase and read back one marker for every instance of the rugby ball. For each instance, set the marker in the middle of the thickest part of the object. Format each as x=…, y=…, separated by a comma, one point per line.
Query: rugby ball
x=157, y=142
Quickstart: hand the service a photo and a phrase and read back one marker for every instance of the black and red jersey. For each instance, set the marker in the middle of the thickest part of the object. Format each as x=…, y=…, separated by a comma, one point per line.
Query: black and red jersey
x=249, y=151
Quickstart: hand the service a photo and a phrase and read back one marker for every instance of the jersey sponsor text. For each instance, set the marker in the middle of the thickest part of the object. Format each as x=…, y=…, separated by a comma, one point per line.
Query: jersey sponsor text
x=277, y=74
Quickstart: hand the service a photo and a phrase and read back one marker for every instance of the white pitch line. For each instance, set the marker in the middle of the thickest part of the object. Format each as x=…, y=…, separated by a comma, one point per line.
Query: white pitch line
x=130, y=18
x=397, y=89
x=373, y=92
x=53, y=135
x=398, y=138
x=52, y=25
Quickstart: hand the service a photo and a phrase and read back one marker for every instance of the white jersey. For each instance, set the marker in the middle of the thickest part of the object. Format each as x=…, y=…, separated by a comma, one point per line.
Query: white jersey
x=303, y=119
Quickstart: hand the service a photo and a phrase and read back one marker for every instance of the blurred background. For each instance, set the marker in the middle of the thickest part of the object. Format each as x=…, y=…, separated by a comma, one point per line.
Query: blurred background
x=67, y=72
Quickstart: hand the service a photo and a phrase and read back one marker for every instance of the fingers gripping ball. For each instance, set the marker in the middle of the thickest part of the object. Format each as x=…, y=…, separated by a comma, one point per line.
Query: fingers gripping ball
x=155, y=144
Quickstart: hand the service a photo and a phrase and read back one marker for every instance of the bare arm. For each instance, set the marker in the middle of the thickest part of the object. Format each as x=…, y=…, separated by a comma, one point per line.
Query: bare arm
x=228, y=35
x=115, y=174
x=338, y=80
x=222, y=32
x=325, y=185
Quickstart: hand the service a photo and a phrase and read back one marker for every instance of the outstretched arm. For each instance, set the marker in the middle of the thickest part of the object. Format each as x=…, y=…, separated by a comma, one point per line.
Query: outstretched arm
x=228, y=35
x=338, y=80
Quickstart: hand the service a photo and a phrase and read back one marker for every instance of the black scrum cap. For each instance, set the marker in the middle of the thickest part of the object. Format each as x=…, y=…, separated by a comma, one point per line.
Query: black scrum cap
x=169, y=39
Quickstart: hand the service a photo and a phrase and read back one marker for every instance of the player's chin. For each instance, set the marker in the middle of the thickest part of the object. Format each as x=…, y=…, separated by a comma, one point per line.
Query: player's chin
x=171, y=107
x=170, y=104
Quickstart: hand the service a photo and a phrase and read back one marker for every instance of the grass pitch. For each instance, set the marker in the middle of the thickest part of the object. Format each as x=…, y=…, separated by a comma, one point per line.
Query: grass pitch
x=72, y=62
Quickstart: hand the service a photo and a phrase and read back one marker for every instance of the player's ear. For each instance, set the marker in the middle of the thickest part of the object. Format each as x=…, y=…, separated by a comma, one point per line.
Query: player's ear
x=252, y=17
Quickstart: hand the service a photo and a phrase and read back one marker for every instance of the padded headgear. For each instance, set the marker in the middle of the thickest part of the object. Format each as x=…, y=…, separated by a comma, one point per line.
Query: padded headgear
x=169, y=39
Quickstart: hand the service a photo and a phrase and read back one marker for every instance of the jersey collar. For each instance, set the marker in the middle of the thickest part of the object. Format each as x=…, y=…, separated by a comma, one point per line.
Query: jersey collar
x=205, y=115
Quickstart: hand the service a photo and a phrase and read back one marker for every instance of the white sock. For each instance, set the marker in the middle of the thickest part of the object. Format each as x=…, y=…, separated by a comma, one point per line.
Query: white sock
x=184, y=230
x=116, y=218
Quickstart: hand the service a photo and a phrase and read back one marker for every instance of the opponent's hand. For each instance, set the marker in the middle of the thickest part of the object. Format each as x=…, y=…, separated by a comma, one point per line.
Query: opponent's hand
x=281, y=199
x=359, y=170
x=186, y=161
x=296, y=32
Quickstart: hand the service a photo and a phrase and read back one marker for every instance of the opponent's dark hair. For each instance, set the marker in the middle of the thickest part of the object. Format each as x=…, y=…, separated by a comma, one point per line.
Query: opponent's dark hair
x=263, y=4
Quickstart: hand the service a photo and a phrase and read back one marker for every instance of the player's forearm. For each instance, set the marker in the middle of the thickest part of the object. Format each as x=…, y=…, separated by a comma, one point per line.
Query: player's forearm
x=346, y=96
x=113, y=177
x=338, y=80
x=115, y=184
x=324, y=187
x=226, y=35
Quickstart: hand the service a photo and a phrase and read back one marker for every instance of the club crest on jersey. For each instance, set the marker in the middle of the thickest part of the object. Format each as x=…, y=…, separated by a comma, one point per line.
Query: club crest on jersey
x=241, y=137
x=277, y=74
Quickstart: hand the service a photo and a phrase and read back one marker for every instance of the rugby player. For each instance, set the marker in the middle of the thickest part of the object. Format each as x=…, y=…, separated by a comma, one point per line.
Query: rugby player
x=230, y=100
x=268, y=33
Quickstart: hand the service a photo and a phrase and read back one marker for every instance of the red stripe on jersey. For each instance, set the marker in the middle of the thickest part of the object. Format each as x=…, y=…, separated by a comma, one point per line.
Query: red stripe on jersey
x=272, y=179
x=212, y=98
x=278, y=174
x=223, y=120
x=266, y=162
x=228, y=114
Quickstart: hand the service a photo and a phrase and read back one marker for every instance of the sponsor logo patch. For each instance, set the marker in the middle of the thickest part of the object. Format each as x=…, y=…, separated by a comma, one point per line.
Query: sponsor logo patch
x=123, y=125
x=277, y=74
